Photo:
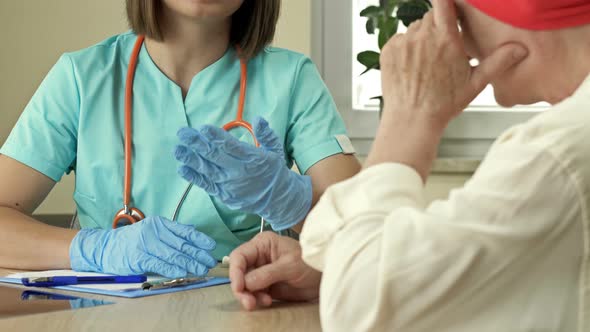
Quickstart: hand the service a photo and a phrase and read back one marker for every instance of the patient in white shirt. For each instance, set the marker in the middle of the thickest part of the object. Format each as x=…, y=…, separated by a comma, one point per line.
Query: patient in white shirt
x=510, y=251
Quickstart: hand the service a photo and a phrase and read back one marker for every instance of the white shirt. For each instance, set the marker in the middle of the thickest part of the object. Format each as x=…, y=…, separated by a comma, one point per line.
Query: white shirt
x=510, y=251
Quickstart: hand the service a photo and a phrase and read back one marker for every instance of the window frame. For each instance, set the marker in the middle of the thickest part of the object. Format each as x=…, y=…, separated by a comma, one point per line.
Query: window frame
x=465, y=137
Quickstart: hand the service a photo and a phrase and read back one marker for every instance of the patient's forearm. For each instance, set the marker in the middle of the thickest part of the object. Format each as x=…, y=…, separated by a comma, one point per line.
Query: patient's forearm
x=406, y=141
x=28, y=244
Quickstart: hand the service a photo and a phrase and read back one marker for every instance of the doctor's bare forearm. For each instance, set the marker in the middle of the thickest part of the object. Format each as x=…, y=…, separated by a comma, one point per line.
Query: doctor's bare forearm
x=405, y=141
x=328, y=172
x=28, y=244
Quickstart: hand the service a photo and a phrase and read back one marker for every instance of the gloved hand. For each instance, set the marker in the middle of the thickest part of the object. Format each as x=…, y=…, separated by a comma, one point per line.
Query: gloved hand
x=244, y=177
x=153, y=245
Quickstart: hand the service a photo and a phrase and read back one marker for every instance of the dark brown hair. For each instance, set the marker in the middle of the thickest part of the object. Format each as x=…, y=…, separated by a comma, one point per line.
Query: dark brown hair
x=253, y=25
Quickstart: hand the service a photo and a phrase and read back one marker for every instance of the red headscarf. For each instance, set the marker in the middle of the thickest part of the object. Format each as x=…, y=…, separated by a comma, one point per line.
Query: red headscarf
x=537, y=14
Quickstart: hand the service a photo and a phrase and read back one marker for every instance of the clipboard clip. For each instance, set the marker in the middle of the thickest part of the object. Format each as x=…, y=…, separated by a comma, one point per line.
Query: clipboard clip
x=174, y=283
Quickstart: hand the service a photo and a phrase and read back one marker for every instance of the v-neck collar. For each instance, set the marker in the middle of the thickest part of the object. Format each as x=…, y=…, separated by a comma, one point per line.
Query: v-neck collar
x=225, y=61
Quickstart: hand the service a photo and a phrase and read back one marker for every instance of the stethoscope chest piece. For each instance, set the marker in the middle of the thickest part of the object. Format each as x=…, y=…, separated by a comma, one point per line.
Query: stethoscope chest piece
x=127, y=216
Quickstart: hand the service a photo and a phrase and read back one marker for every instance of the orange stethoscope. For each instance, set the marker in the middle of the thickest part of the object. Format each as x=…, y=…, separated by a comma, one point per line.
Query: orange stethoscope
x=128, y=214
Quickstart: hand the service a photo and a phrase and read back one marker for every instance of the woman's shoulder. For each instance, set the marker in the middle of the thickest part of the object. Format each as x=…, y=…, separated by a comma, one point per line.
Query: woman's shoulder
x=105, y=51
x=280, y=60
x=281, y=54
x=287, y=65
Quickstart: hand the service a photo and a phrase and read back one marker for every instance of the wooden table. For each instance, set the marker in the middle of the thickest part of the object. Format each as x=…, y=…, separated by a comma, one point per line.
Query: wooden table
x=207, y=309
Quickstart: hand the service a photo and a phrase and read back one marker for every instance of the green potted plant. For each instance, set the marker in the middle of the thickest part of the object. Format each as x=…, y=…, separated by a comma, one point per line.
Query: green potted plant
x=384, y=21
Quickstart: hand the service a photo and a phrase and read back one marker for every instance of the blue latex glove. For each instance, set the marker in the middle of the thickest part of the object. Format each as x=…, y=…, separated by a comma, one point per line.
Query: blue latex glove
x=153, y=245
x=244, y=177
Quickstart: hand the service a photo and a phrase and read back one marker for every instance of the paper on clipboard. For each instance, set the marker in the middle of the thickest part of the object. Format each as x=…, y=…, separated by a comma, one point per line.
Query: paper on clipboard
x=121, y=290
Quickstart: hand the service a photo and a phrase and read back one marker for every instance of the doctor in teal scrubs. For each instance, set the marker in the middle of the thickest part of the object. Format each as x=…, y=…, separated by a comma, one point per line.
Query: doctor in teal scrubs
x=186, y=87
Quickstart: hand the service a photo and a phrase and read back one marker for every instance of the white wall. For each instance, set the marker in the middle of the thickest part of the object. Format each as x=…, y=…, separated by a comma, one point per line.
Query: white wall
x=34, y=33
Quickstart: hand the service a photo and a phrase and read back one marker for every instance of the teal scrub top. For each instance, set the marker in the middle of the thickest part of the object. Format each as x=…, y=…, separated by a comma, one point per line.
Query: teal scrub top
x=75, y=121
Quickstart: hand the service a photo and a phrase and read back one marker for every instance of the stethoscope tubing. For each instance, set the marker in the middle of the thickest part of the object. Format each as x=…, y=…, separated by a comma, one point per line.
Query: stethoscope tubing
x=132, y=214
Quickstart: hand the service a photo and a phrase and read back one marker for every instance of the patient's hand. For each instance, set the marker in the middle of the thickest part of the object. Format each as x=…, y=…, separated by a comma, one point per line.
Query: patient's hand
x=270, y=267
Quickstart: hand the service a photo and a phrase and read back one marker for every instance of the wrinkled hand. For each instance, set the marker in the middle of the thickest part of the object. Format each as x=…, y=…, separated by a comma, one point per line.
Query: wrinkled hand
x=154, y=245
x=427, y=81
x=244, y=177
x=426, y=75
x=270, y=267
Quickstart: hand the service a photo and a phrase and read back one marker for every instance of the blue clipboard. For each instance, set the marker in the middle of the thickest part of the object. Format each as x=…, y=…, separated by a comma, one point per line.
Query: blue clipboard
x=129, y=293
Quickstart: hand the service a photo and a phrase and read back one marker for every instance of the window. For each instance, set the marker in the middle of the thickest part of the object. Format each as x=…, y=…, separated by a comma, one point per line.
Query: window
x=339, y=34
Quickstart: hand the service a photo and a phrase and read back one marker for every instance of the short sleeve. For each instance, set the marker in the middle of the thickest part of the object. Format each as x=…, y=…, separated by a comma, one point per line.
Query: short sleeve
x=316, y=129
x=45, y=135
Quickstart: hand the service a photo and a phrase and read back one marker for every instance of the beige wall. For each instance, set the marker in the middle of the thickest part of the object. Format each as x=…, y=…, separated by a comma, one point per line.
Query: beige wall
x=35, y=32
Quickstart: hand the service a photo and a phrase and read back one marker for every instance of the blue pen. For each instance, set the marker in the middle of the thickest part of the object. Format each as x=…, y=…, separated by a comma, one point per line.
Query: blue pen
x=73, y=280
x=33, y=295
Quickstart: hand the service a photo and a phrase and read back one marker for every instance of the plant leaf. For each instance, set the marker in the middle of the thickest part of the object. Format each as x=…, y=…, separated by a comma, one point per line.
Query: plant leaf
x=380, y=98
x=371, y=11
x=370, y=26
x=412, y=10
x=369, y=59
x=388, y=29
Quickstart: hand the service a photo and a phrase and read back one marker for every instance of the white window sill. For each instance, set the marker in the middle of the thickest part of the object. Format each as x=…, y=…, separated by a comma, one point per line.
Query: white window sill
x=455, y=165
x=449, y=165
